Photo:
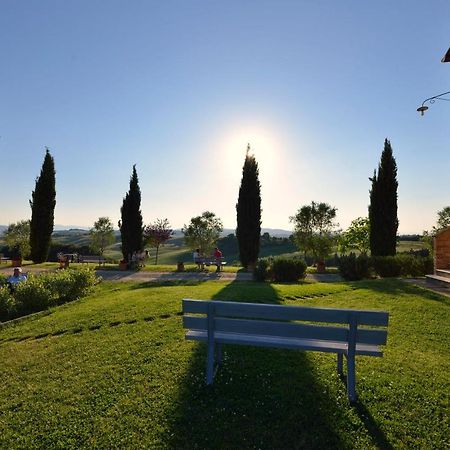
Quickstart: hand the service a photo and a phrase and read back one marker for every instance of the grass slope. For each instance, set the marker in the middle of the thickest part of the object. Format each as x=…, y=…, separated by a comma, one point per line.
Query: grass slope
x=114, y=371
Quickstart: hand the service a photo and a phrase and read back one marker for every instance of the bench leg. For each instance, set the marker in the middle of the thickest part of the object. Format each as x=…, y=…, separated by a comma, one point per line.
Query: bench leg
x=351, y=379
x=210, y=364
x=219, y=354
x=340, y=365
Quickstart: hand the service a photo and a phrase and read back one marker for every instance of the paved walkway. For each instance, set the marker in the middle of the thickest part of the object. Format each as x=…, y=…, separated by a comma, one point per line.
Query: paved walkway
x=143, y=276
x=422, y=282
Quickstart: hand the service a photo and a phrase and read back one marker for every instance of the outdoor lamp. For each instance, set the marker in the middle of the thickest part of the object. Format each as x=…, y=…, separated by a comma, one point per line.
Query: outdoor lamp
x=431, y=100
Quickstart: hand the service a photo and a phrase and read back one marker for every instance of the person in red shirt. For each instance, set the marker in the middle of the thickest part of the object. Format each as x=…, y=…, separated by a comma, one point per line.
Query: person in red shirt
x=218, y=256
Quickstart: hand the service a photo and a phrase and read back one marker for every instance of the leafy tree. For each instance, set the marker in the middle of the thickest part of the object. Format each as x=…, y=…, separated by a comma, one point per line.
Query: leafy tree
x=248, y=210
x=315, y=229
x=157, y=234
x=443, y=221
x=203, y=232
x=43, y=202
x=17, y=238
x=383, y=205
x=131, y=224
x=102, y=235
x=357, y=236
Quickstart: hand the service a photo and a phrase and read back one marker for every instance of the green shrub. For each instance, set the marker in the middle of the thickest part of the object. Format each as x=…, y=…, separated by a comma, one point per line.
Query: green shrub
x=3, y=280
x=32, y=296
x=7, y=304
x=386, y=266
x=83, y=282
x=288, y=269
x=353, y=268
x=261, y=272
x=414, y=266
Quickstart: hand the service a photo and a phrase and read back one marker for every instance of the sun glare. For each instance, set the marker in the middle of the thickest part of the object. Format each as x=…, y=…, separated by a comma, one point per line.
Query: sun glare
x=264, y=145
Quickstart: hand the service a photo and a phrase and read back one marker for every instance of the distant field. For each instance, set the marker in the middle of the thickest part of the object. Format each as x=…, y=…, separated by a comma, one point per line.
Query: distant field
x=176, y=251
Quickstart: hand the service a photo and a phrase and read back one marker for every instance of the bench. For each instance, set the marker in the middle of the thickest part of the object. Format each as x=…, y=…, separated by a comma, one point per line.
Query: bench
x=92, y=259
x=282, y=326
x=211, y=261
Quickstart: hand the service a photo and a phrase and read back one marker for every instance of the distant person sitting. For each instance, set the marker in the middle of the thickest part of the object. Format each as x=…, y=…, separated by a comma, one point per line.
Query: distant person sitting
x=16, y=278
x=198, y=259
x=218, y=257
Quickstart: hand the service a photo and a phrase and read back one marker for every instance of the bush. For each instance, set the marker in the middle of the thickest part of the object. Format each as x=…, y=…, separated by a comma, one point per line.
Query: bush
x=3, y=280
x=7, y=304
x=353, y=268
x=69, y=285
x=285, y=269
x=261, y=272
x=403, y=264
x=386, y=266
x=32, y=296
x=48, y=289
x=414, y=266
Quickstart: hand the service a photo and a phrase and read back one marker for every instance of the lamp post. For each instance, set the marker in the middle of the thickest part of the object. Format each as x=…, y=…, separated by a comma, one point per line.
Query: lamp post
x=421, y=109
x=431, y=100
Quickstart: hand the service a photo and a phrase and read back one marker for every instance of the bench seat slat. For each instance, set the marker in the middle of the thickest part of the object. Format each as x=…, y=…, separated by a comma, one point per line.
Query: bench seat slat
x=286, y=329
x=280, y=342
x=287, y=312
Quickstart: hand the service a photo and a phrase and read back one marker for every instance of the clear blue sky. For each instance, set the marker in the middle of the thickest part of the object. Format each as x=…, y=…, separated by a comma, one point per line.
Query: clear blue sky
x=179, y=88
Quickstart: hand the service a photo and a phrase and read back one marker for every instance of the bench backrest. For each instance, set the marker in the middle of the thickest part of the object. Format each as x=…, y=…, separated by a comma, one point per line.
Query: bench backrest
x=286, y=321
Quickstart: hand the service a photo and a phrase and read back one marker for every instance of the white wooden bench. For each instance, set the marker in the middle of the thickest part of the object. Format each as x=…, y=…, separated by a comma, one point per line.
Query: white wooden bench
x=211, y=261
x=282, y=326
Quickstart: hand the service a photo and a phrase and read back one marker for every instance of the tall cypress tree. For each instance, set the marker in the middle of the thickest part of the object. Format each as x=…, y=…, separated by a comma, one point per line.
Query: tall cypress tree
x=383, y=205
x=131, y=225
x=248, y=208
x=43, y=202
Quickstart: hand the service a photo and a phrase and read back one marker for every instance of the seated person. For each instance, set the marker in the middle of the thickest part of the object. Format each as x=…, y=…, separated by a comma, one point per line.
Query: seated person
x=16, y=278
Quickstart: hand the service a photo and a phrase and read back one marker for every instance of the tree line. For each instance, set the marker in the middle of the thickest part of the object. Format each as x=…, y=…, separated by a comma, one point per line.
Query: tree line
x=315, y=232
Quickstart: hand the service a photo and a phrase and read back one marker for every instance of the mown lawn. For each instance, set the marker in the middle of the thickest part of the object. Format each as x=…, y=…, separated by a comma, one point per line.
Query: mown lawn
x=114, y=371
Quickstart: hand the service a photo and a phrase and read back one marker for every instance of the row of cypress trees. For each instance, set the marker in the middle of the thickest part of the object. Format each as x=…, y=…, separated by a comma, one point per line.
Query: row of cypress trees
x=382, y=210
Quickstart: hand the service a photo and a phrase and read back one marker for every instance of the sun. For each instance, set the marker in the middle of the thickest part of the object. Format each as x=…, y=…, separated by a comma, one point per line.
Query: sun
x=263, y=144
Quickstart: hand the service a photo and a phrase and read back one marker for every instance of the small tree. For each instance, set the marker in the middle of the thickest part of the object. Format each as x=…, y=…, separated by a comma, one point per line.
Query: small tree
x=157, y=234
x=131, y=225
x=43, y=201
x=315, y=229
x=248, y=211
x=17, y=238
x=102, y=235
x=443, y=221
x=357, y=236
x=203, y=232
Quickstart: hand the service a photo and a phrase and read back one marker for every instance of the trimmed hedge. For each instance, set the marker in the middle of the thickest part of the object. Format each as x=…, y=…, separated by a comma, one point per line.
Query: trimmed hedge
x=354, y=267
x=280, y=269
x=44, y=291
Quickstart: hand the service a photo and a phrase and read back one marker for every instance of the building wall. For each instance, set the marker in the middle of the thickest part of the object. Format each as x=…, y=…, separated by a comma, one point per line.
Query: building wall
x=442, y=249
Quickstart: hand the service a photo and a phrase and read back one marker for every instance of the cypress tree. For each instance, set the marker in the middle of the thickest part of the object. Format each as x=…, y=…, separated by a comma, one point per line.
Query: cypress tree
x=131, y=225
x=383, y=205
x=43, y=202
x=248, y=208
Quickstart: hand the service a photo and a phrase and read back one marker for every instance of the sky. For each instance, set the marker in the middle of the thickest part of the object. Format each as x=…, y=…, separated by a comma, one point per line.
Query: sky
x=180, y=87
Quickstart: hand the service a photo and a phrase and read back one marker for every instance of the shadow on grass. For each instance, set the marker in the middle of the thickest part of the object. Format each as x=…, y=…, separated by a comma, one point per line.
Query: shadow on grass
x=260, y=398
x=394, y=286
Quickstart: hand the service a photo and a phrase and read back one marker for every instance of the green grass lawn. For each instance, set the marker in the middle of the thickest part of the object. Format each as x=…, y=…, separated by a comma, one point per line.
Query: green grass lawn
x=113, y=371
